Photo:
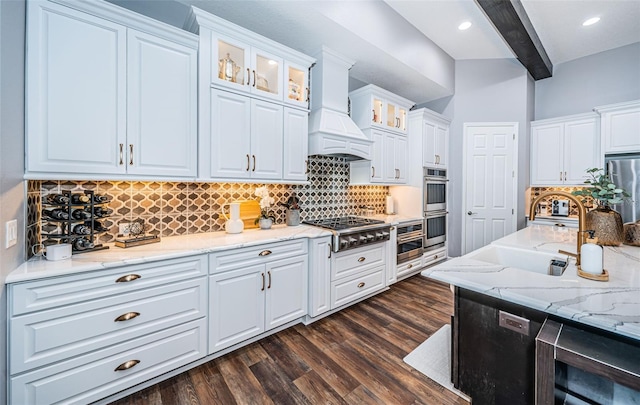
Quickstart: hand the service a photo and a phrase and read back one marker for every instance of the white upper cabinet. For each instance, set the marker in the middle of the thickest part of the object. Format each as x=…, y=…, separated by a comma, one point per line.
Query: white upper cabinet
x=620, y=127
x=104, y=99
x=374, y=107
x=562, y=149
x=246, y=77
x=388, y=164
x=433, y=130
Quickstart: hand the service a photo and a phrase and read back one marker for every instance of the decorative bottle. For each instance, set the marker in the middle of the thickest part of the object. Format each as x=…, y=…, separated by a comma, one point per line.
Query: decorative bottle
x=57, y=199
x=79, y=199
x=56, y=213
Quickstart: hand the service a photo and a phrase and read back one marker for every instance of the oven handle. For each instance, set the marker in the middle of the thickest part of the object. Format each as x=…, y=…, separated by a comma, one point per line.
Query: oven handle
x=435, y=214
x=410, y=238
x=428, y=179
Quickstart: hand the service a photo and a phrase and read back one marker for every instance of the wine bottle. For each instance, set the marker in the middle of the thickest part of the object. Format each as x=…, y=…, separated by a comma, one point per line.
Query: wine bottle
x=80, y=198
x=82, y=244
x=56, y=213
x=97, y=226
x=97, y=198
x=81, y=229
x=57, y=199
x=80, y=214
x=48, y=228
x=101, y=212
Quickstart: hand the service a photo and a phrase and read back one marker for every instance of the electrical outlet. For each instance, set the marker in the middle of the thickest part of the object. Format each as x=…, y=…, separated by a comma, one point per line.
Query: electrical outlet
x=11, y=233
x=124, y=228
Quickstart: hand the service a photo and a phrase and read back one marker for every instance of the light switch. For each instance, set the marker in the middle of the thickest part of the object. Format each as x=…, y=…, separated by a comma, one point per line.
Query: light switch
x=11, y=235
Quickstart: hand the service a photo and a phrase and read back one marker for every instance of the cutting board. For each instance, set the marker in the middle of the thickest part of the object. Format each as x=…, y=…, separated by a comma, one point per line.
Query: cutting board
x=249, y=211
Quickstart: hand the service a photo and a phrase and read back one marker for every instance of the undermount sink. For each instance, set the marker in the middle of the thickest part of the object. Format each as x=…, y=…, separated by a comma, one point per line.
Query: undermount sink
x=524, y=259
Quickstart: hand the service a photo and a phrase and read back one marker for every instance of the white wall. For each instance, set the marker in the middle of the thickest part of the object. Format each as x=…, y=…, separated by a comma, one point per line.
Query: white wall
x=12, y=25
x=579, y=85
x=491, y=90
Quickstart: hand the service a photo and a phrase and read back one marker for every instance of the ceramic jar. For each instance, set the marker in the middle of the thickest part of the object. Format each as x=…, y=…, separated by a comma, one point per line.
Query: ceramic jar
x=293, y=217
x=265, y=223
x=607, y=225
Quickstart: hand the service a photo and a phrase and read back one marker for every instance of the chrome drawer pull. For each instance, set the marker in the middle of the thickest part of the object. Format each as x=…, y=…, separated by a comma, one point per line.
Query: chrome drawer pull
x=265, y=253
x=362, y=259
x=127, y=278
x=360, y=284
x=127, y=365
x=127, y=316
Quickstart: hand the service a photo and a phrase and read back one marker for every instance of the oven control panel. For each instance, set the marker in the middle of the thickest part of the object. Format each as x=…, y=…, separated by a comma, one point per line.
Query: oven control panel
x=351, y=240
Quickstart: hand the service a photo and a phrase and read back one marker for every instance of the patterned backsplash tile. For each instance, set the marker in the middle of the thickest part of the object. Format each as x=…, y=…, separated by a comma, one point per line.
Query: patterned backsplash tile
x=181, y=208
x=573, y=211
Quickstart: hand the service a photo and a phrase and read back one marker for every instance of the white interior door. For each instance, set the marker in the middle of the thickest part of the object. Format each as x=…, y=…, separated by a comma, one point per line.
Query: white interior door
x=489, y=182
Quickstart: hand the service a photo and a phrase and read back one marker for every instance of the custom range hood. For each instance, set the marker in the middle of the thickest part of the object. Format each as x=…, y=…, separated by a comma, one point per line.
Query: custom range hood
x=331, y=130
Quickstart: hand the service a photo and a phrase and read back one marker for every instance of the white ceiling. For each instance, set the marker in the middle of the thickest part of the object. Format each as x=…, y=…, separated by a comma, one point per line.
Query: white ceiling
x=386, y=48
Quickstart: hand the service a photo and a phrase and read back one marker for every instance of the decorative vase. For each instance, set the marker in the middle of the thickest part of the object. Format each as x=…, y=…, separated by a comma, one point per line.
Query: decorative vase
x=607, y=225
x=265, y=223
x=293, y=217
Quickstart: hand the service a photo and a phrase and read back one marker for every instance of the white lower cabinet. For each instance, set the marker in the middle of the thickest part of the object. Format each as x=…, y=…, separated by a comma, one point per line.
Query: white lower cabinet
x=79, y=338
x=320, y=253
x=434, y=256
x=406, y=269
x=256, y=289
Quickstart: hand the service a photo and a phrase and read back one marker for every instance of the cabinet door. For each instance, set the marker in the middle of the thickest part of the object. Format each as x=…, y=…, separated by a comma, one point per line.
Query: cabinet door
x=429, y=145
x=296, y=144
x=266, y=74
x=319, y=275
x=161, y=109
x=266, y=140
x=400, y=151
x=231, y=64
x=286, y=293
x=581, y=151
x=236, y=306
x=378, y=112
x=401, y=117
x=297, y=85
x=230, y=135
x=76, y=91
x=390, y=171
x=546, y=155
x=440, y=147
x=391, y=273
x=621, y=130
x=377, y=163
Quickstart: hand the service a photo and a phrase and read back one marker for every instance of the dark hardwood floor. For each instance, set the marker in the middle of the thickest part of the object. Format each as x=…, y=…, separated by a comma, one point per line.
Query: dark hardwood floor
x=351, y=357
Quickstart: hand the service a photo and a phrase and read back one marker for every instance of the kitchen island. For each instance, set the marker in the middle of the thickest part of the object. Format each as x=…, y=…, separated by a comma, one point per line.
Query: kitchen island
x=485, y=291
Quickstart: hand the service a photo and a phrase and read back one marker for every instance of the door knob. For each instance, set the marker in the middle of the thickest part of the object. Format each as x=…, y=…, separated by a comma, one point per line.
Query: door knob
x=471, y=213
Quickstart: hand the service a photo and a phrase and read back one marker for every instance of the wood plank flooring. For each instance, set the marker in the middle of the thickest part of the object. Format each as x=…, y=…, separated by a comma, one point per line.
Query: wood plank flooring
x=351, y=357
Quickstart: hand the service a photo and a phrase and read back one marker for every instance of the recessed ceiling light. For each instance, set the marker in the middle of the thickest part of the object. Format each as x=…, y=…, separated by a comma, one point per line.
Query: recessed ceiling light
x=591, y=21
x=464, y=26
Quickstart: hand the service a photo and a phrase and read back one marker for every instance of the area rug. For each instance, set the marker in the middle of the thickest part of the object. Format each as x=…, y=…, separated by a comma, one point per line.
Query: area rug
x=433, y=359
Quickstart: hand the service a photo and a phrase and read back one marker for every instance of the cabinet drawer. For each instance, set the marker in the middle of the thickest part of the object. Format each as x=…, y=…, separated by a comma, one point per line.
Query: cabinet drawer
x=93, y=376
x=409, y=267
x=356, y=261
x=345, y=291
x=231, y=259
x=54, y=335
x=433, y=257
x=53, y=292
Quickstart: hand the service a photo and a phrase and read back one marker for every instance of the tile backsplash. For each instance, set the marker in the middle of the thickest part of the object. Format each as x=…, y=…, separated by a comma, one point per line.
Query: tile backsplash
x=171, y=208
x=573, y=210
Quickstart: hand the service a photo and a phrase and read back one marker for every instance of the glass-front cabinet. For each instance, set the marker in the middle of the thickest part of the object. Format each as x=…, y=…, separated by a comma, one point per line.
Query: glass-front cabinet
x=372, y=106
x=246, y=68
x=297, y=85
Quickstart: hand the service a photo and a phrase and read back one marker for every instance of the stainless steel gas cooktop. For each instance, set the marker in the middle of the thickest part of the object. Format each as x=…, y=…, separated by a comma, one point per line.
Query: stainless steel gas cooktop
x=350, y=232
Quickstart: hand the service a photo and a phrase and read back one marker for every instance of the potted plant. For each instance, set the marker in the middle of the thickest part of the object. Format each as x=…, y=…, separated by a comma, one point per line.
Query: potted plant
x=606, y=222
x=293, y=210
x=266, y=218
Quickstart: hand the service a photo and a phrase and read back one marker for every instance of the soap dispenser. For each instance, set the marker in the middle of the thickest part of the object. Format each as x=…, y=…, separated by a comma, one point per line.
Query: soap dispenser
x=591, y=255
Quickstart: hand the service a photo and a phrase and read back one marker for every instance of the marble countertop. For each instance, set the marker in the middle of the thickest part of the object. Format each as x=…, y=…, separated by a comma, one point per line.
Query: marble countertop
x=613, y=305
x=167, y=248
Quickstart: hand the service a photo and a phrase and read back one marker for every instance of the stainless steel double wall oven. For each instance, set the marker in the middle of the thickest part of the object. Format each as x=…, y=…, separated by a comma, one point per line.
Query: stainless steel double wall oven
x=435, y=208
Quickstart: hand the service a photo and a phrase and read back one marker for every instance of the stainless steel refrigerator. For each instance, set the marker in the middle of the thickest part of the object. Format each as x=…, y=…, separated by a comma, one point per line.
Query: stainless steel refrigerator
x=625, y=173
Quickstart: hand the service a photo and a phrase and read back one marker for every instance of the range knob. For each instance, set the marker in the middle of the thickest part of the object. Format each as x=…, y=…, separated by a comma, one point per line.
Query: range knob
x=352, y=241
x=344, y=243
x=363, y=239
x=371, y=237
x=385, y=235
x=379, y=236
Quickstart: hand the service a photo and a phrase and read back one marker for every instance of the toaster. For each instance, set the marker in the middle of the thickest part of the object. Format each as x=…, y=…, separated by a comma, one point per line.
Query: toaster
x=560, y=208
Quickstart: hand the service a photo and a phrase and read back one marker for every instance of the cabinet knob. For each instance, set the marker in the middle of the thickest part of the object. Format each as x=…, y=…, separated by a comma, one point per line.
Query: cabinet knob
x=265, y=253
x=362, y=259
x=127, y=365
x=127, y=316
x=360, y=284
x=128, y=277
x=409, y=266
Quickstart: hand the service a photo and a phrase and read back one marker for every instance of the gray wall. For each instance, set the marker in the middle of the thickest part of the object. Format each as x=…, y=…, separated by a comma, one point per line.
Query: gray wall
x=491, y=90
x=579, y=85
x=12, y=25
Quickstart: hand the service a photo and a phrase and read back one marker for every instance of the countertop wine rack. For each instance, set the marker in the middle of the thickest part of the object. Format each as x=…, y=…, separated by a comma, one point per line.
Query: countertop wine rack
x=64, y=227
